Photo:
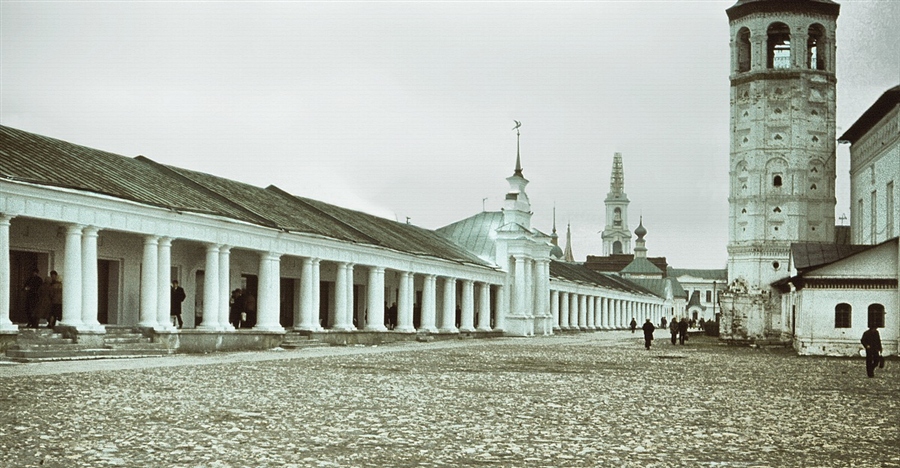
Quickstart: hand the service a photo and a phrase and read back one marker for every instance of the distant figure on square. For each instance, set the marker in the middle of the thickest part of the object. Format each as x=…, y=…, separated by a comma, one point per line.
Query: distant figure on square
x=871, y=341
x=55, y=295
x=673, y=329
x=648, y=332
x=177, y=297
x=633, y=324
x=32, y=290
x=683, y=326
x=663, y=323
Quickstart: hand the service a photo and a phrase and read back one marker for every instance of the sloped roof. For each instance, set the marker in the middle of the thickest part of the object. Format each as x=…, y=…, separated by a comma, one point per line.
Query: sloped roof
x=580, y=274
x=642, y=266
x=695, y=299
x=814, y=254
x=745, y=7
x=888, y=101
x=41, y=160
x=475, y=233
x=718, y=274
x=617, y=262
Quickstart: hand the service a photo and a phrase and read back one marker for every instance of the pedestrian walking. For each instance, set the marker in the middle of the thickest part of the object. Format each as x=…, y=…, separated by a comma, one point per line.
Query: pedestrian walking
x=871, y=341
x=176, y=298
x=55, y=296
x=673, y=329
x=633, y=324
x=648, y=332
x=683, y=326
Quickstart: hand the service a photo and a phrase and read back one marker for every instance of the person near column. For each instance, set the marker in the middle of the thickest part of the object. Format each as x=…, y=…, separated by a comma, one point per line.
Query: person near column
x=871, y=341
x=673, y=329
x=177, y=297
x=633, y=324
x=250, y=308
x=236, y=308
x=54, y=292
x=32, y=290
x=683, y=329
x=648, y=333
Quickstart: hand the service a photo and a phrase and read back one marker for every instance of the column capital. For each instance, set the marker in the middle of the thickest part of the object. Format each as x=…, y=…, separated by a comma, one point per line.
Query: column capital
x=213, y=247
x=163, y=241
x=5, y=218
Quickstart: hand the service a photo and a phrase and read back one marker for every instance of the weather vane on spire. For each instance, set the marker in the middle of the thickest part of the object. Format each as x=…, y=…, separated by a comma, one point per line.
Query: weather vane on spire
x=518, y=159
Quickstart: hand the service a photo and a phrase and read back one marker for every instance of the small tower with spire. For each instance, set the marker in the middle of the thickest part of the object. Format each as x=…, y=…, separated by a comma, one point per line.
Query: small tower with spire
x=569, y=256
x=640, y=250
x=616, y=236
x=555, y=251
x=516, y=207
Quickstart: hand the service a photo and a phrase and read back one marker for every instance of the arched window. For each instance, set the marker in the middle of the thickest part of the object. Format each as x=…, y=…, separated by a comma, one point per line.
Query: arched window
x=778, y=46
x=776, y=181
x=876, y=316
x=744, y=54
x=842, y=314
x=815, y=50
x=617, y=217
x=617, y=247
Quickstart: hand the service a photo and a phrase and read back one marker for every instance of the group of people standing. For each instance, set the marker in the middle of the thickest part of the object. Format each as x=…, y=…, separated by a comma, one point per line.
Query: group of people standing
x=678, y=329
x=43, y=299
x=242, y=308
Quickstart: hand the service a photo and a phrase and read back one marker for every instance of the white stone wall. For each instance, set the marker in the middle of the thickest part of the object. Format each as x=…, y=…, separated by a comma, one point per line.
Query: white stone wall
x=875, y=167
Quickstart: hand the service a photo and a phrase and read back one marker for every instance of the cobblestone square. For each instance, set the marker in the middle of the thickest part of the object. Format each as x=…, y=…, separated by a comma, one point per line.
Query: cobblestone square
x=597, y=399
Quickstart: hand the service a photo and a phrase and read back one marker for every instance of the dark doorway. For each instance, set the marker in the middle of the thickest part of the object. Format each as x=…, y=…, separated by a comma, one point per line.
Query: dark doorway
x=21, y=265
x=103, y=283
x=324, y=294
x=287, y=303
x=250, y=285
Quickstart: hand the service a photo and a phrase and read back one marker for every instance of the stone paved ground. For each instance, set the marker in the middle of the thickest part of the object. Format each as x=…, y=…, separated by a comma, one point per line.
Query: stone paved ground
x=588, y=400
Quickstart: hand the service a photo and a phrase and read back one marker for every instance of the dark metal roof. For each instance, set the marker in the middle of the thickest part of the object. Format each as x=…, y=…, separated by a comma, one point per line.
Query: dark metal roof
x=642, y=266
x=815, y=254
x=887, y=102
x=580, y=274
x=746, y=7
x=41, y=160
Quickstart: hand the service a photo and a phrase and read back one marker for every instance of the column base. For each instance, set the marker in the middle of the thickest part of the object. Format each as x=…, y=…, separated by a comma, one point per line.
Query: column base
x=448, y=330
x=376, y=328
x=405, y=330
x=268, y=328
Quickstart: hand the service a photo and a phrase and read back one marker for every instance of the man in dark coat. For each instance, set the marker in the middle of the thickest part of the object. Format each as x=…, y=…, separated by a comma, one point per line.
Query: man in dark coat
x=683, y=329
x=673, y=329
x=648, y=333
x=871, y=340
x=32, y=290
x=633, y=324
x=178, y=296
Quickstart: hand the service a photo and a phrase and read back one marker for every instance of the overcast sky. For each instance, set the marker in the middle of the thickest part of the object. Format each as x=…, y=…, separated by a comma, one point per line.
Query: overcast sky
x=406, y=109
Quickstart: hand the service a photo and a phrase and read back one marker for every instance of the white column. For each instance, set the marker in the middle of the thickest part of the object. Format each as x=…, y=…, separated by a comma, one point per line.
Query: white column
x=89, y=292
x=375, y=300
x=211, y=290
x=163, y=286
x=616, y=314
x=589, y=323
x=529, y=304
x=340, y=298
x=72, y=300
x=582, y=312
x=405, y=299
x=518, y=295
x=5, y=323
x=224, y=322
x=448, y=313
x=484, y=306
x=573, y=311
x=350, y=311
x=149, y=282
x=429, y=296
x=306, y=321
x=545, y=287
x=268, y=310
x=502, y=308
x=564, y=311
x=467, y=307
x=316, y=292
x=554, y=308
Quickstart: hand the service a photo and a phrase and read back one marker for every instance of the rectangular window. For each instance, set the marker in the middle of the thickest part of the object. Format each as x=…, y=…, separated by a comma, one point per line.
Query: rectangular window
x=858, y=222
x=874, y=220
x=889, y=205
x=842, y=316
x=708, y=296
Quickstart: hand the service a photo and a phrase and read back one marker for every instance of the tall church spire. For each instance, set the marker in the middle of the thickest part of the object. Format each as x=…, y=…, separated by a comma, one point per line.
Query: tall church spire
x=569, y=256
x=516, y=207
x=616, y=235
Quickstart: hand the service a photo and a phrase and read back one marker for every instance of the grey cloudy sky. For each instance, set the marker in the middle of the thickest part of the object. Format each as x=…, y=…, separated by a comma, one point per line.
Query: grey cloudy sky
x=406, y=109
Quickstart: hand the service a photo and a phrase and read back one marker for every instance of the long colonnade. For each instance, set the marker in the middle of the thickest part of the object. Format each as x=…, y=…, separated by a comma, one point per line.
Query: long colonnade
x=574, y=310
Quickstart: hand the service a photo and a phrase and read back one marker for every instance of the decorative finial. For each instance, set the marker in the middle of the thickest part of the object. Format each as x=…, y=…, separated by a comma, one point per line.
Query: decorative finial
x=518, y=158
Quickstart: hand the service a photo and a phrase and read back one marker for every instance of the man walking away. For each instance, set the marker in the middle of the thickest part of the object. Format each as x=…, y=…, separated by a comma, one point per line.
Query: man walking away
x=673, y=329
x=683, y=329
x=648, y=333
x=871, y=340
